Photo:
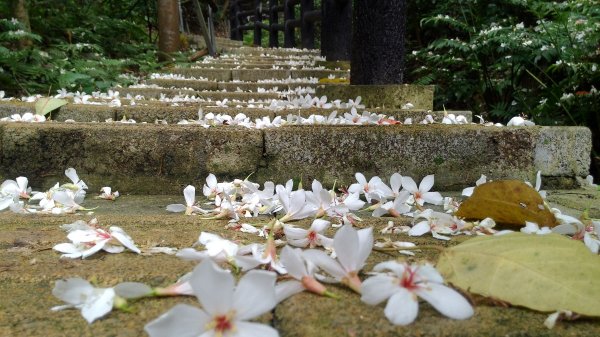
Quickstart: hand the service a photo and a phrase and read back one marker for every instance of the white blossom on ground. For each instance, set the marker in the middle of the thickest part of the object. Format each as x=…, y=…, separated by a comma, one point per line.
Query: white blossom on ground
x=94, y=303
x=373, y=189
x=226, y=308
x=302, y=271
x=394, y=208
x=313, y=237
x=533, y=228
x=352, y=248
x=108, y=194
x=88, y=239
x=421, y=194
x=18, y=188
x=221, y=251
x=294, y=204
x=437, y=223
x=189, y=193
x=468, y=191
x=400, y=284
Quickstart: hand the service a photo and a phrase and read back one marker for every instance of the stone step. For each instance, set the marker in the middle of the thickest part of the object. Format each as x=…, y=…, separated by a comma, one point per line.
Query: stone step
x=150, y=111
x=30, y=268
x=156, y=93
x=284, y=52
x=229, y=86
x=164, y=158
x=253, y=75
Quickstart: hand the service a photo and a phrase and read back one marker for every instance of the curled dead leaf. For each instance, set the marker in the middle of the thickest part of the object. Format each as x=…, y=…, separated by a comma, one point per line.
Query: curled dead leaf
x=509, y=202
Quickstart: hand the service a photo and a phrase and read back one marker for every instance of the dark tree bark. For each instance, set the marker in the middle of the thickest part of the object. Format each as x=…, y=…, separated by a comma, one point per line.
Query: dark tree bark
x=336, y=30
x=378, y=42
x=20, y=12
x=168, y=28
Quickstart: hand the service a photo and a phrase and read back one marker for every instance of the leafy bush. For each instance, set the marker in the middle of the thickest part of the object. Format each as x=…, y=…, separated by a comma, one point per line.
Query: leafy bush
x=511, y=57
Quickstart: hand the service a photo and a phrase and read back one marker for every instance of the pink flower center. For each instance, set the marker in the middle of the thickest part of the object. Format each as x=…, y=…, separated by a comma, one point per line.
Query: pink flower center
x=312, y=236
x=408, y=279
x=222, y=324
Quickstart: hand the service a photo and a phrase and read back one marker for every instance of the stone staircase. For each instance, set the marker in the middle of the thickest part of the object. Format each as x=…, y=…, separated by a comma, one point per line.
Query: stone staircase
x=151, y=161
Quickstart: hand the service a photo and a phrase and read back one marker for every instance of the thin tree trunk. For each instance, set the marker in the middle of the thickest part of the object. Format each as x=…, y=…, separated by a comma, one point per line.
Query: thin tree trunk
x=168, y=28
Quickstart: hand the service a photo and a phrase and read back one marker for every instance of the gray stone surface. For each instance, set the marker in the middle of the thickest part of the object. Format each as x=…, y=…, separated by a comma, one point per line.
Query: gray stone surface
x=457, y=155
x=389, y=96
x=138, y=158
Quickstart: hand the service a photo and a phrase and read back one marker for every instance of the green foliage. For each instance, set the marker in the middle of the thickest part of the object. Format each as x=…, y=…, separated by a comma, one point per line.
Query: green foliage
x=510, y=57
x=77, y=45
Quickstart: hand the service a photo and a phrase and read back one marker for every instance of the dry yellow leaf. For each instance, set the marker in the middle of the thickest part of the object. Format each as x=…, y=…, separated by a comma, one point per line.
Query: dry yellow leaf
x=541, y=272
x=510, y=202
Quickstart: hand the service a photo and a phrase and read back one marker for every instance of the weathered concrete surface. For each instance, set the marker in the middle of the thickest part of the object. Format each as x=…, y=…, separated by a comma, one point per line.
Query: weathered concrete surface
x=156, y=93
x=209, y=74
x=29, y=269
x=390, y=96
x=458, y=155
x=274, y=51
x=137, y=158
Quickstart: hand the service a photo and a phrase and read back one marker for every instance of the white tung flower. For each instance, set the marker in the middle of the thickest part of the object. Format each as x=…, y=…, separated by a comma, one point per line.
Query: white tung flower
x=402, y=282
x=225, y=306
x=312, y=237
x=80, y=294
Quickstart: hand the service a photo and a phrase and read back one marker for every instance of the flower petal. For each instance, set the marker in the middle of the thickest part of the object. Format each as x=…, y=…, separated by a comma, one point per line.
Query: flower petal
x=346, y=244
x=123, y=238
x=254, y=294
x=402, y=308
x=247, y=329
x=409, y=184
x=419, y=229
x=176, y=208
x=396, y=182
x=320, y=225
x=284, y=290
x=182, y=321
x=189, y=193
x=377, y=289
x=446, y=300
x=293, y=262
x=72, y=290
x=98, y=305
x=132, y=289
x=434, y=198
x=325, y=262
x=213, y=286
x=426, y=184
x=365, y=245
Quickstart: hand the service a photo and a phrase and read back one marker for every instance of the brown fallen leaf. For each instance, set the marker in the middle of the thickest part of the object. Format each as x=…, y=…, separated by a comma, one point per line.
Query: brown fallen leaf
x=509, y=202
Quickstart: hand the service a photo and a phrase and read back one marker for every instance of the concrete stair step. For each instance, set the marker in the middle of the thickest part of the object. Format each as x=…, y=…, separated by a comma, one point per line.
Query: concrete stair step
x=285, y=52
x=253, y=75
x=150, y=158
x=156, y=93
x=150, y=111
x=229, y=86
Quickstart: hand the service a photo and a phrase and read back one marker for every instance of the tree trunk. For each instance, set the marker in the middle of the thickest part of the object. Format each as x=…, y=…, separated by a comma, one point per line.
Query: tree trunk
x=19, y=11
x=336, y=30
x=378, y=42
x=168, y=28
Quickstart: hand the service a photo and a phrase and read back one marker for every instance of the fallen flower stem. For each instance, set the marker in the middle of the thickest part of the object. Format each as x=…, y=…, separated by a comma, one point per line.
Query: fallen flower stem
x=425, y=247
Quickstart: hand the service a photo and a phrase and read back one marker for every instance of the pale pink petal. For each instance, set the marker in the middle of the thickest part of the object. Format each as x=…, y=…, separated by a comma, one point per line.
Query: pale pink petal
x=22, y=183
x=254, y=294
x=293, y=262
x=182, y=321
x=325, y=241
x=113, y=249
x=378, y=288
x=247, y=329
x=302, y=243
x=213, y=286
x=402, y=308
x=66, y=248
x=446, y=300
x=409, y=184
x=246, y=262
x=72, y=174
x=426, y=184
x=284, y=290
x=100, y=304
x=419, y=229
x=192, y=254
